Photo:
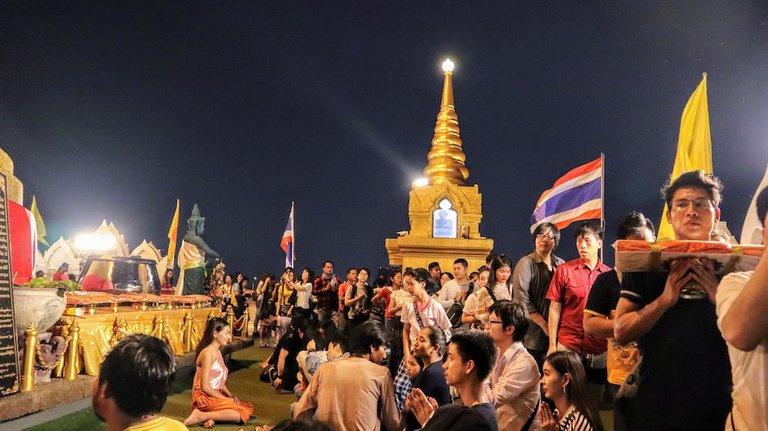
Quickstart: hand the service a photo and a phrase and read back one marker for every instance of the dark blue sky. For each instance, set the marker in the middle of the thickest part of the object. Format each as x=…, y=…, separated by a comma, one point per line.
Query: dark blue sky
x=112, y=110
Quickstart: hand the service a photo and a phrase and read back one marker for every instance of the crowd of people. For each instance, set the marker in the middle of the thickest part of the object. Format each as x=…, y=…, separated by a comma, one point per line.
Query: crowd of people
x=538, y=344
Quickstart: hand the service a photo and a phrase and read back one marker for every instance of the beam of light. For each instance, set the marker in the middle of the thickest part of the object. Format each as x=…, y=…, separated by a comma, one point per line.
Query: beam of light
x=349, y=117
x=421, y=182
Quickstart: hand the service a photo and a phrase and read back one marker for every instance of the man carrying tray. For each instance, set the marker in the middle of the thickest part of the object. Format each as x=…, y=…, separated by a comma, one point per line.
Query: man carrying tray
x=685, y=376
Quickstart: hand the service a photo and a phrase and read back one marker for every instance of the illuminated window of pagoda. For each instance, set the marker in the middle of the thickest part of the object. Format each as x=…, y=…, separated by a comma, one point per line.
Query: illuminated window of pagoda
x=444, y=220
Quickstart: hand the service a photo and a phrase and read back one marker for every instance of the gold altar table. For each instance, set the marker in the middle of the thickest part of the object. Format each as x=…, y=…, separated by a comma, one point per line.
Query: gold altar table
x=94, y=334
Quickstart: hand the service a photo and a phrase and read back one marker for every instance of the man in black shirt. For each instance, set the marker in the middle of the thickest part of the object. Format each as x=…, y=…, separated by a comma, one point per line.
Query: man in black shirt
x=471, y=356
x=685, y=377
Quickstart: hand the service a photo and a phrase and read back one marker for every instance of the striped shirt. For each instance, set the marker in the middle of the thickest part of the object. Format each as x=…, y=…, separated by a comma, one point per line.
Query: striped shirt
x=573, y=420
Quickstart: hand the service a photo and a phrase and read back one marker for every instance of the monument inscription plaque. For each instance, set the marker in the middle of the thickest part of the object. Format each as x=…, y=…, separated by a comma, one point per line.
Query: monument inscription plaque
x=9, y=368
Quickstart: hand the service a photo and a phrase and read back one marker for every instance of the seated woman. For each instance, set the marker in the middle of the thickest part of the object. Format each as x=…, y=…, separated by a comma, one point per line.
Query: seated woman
x=211, y=400
x=565, y=383
x=286, y=352
x=428, y=352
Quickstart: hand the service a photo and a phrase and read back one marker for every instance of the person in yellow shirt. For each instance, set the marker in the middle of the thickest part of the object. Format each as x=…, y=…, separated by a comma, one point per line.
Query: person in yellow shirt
x=133, y=384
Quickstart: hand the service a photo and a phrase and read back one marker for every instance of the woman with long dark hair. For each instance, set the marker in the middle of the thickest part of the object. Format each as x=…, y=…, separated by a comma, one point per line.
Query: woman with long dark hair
x=212, y=401
x=429, y=349
x=565, y=383
x=166, y=285
x=267, y=309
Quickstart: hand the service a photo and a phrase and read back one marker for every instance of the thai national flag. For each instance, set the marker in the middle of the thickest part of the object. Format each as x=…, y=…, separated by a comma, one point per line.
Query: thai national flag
x=287, y=242
x=577, y=195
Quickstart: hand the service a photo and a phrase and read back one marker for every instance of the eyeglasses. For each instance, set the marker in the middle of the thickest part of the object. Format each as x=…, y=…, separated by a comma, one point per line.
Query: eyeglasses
x=698, y=204
x=544, y=236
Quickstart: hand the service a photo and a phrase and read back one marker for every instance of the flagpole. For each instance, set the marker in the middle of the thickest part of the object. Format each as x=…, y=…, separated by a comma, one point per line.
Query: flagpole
x=293, y=228
x=602, y=201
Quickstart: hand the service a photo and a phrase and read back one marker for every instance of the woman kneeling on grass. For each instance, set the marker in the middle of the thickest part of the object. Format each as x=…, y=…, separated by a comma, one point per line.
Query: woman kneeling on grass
x=211, y=400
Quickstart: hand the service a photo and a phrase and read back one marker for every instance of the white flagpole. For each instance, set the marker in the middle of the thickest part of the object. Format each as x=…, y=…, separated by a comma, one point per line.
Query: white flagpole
x=602, y=201
x=293, y=228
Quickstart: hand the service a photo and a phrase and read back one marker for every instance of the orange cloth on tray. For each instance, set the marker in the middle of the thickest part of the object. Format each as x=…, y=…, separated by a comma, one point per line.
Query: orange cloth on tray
x=634, y=255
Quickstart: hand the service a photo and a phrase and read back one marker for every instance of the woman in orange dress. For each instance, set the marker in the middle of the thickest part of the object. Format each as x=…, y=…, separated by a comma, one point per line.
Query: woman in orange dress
x=212, y=401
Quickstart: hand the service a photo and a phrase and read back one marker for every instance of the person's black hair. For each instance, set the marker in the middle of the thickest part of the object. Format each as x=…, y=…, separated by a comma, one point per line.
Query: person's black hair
x=71, y=277
x=311, y=273
x=394, y=271
x=512, y=313
x=498, y=262
x=39, y=273
x=138, y=372
x=368, y=271
x=433, y=265
x=437, y=339
x=473, y=273
x=762, y=205
x=461, y=261
x=379, y=282
x=698, y=179
x=339, y=340
x=214, y=324
x=246, y=279
x=551, y=228
x=476, y=346
x=328, y=261
x=569, y=362
x=365, y=336
x=329, y=330
x=449, y=274
x=633, y=224
x=421, y=275
x=490, y=258
x=589, y=228
x=350, y=270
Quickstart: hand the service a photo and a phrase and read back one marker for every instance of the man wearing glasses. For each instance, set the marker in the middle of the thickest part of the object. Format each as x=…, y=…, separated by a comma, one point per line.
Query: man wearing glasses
x=685, y=376
x=515, y=377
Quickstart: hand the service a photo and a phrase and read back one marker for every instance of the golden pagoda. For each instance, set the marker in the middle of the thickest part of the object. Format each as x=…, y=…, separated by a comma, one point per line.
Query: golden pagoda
x=444, y=211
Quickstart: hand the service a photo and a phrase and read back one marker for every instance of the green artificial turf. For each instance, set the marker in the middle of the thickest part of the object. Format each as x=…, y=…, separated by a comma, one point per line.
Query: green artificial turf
x=269, y=406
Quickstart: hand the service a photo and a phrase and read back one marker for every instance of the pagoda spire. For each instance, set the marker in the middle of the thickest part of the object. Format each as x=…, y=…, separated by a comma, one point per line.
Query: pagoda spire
x=446, y=158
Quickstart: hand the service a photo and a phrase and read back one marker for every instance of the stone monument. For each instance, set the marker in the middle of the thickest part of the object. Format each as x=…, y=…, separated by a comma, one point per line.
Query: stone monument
x=444, y=211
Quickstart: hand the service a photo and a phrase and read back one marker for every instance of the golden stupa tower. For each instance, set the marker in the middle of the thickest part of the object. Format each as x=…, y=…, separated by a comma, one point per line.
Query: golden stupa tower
x=444, y=211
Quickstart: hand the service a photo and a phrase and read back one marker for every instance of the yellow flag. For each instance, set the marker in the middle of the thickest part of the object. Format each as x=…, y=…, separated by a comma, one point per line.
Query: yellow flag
x=694, y=145
x=173, y=233
x=41, y=233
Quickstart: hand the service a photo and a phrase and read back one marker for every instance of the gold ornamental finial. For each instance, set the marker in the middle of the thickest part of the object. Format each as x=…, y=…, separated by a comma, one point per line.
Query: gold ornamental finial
x=446, y=158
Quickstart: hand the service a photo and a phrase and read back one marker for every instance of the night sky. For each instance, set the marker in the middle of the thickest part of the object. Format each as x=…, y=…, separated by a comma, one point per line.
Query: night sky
x=112, y=110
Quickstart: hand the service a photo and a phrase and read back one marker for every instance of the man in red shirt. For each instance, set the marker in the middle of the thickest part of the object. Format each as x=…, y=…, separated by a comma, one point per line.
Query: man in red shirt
x=568, y=294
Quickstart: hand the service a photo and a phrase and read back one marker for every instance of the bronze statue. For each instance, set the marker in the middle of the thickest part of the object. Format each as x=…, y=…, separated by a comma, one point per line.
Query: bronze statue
x=196, y=259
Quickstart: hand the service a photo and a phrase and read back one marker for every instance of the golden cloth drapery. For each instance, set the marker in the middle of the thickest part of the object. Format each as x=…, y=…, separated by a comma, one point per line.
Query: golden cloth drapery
x=103, y=329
